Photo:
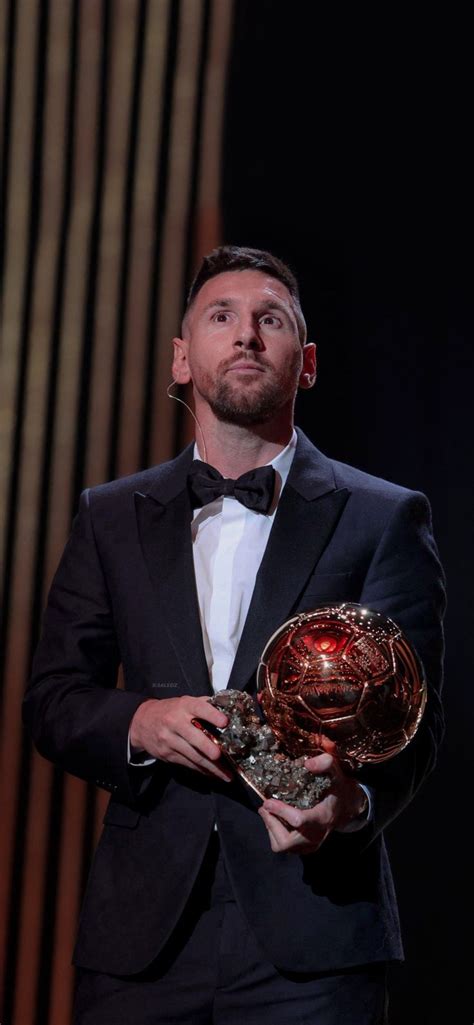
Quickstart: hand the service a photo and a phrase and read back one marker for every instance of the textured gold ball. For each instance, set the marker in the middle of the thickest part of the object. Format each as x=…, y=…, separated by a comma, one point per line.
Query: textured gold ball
x=345, y=673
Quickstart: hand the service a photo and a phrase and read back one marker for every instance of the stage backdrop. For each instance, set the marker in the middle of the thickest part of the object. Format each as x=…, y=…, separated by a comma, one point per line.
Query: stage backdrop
x=112, y=131
x=345, y=149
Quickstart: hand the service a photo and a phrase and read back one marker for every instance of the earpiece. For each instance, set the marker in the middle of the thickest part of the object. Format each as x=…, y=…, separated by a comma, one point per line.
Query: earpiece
x=185, y=404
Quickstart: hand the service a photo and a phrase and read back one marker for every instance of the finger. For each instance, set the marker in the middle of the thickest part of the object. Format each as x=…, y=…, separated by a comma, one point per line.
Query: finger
x=176, y=757
x=290, y=815
x=324, y=763
x=203, y=741
x=291, y=841
x=196, y=760
x=204, y=710
x=277, y=832
x=283, y=839
x=196, y=740
x=187, y=764
x=309, y=822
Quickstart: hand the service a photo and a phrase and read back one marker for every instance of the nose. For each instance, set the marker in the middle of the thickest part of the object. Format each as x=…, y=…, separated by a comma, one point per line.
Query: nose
x=247, y=336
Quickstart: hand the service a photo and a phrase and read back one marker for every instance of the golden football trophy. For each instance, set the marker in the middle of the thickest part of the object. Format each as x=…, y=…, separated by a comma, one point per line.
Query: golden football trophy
x=340, y=672
x=345, y=673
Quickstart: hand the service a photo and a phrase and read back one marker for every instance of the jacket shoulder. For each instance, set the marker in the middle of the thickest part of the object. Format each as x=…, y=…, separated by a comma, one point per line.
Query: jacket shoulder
x=145, y=481
x=316, y=466
x=367, y=484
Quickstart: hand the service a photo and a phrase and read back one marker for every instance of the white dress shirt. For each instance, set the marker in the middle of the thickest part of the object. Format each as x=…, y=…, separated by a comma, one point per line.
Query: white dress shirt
x=229, y=542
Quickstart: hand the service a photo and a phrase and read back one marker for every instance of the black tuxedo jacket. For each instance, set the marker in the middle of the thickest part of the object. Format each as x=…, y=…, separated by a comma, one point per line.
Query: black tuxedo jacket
x=125, y=593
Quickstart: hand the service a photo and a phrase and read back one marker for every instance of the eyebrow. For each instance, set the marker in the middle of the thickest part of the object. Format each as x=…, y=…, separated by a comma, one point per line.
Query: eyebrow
x=217, y=302
x=264, y=307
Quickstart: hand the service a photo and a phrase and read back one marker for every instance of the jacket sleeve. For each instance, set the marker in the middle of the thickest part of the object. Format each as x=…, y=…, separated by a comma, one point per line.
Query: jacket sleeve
x=77, y=716
x=405, y=581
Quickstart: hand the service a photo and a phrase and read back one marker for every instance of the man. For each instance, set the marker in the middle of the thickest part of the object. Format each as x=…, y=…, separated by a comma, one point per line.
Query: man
x=276, y=915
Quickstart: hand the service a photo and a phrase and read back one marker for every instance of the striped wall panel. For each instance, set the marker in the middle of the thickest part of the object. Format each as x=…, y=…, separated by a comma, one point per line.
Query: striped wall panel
x=111, y=116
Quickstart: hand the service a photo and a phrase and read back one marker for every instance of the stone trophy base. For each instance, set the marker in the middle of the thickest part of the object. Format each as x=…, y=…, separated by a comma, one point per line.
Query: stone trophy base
x=258, y=757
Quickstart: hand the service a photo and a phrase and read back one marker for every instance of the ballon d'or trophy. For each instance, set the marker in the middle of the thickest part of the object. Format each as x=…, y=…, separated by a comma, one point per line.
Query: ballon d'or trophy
x=340, y=672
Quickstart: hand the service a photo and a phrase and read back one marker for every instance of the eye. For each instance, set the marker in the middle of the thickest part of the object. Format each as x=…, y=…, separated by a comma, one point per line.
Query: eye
x=270, y=320
x=221, y=317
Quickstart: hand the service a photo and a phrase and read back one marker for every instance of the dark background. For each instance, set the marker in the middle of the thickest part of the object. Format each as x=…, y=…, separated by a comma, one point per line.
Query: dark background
x=346, y=153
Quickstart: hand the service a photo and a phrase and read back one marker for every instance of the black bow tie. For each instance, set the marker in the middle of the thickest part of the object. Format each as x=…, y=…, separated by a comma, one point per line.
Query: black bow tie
x=253, y=489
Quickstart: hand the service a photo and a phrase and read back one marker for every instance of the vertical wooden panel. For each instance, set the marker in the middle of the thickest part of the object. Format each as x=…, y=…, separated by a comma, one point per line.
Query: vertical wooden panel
x=171, y=281
x=207, y=226
x=32, y=893
x=16, y=238
x=85, y=55
x=150, y=127
x=23, y=406
x=5, y=27
x=207, y=232
x=115, y=110
x=66, y=848
x=68, y=901
x=104, y=325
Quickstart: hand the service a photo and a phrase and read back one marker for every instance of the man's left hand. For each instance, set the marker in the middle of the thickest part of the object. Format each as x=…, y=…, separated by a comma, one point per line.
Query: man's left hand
x=302, y=832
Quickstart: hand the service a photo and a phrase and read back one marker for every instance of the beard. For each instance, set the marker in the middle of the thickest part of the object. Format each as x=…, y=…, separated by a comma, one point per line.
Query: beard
x=245, y=409
x=233, y=403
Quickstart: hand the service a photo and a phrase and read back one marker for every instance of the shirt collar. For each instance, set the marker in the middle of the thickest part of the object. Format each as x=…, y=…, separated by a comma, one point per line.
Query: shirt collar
x=281, y=464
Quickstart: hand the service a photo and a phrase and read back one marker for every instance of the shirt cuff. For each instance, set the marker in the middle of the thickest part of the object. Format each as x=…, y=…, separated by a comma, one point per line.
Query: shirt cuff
x=138, y=758
x=362, y=820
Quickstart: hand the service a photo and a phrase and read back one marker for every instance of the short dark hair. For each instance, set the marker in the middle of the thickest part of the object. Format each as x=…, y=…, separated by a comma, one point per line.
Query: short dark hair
x=236, y=258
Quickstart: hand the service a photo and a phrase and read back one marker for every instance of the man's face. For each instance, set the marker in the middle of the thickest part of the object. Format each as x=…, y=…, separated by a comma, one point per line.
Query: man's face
x=241, y=348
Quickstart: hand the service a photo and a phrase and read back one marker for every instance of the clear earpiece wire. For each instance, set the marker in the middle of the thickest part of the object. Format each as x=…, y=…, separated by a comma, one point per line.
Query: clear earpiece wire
x=196, y=421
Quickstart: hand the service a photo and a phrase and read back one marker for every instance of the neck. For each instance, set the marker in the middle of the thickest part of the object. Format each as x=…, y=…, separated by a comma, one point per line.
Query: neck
x=234, y=450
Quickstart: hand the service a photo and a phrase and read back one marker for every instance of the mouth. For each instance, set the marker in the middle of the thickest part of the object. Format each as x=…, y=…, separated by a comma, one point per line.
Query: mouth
x=246, y=368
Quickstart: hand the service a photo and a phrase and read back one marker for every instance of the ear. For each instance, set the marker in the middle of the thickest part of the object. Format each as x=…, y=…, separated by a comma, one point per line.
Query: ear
x=180, y=369
x=308, y=370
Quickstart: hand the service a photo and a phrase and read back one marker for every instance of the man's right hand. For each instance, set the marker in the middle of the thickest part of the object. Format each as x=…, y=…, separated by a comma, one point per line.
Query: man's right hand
x=164, y=729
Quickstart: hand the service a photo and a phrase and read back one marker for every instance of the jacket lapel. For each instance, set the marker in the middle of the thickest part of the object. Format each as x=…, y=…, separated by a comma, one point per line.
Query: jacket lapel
x=309, y=509
x=307, y=515
x=164, y=523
